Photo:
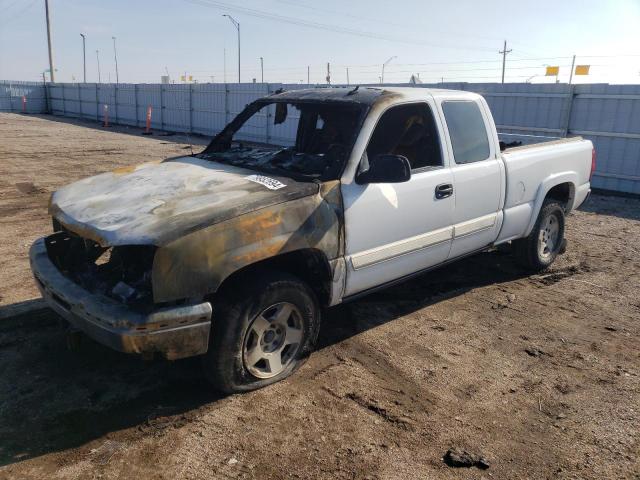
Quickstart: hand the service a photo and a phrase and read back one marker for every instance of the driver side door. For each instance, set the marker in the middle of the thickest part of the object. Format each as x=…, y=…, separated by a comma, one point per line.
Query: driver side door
x=396, y=229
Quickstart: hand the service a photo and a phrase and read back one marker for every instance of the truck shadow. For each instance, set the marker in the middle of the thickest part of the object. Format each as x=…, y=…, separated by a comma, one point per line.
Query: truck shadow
x=617, y=206
x=54, y=399
x=455, y=279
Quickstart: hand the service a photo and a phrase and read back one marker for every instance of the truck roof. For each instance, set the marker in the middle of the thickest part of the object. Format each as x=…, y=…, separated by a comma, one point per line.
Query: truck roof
x=365, y=95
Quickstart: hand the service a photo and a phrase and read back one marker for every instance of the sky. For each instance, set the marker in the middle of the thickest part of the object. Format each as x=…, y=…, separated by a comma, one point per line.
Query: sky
x=450, y=41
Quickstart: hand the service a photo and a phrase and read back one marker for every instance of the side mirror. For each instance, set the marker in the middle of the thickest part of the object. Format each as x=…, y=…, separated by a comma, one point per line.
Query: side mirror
x=386, y=168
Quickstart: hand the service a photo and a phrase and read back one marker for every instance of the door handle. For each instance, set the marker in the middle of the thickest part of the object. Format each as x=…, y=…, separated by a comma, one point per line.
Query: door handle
x=444, y=190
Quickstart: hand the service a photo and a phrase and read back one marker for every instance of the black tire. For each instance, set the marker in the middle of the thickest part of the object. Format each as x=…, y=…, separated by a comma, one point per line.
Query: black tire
x=528, y=249
x=235, y=309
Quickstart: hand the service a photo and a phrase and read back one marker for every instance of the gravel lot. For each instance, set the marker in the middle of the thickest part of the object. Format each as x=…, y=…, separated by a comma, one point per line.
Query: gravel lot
x=537, y=374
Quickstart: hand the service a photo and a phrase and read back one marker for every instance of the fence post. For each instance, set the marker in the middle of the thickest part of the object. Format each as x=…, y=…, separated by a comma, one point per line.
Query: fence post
x=191, y=108
x=226, y=103
x=47, y=107
x=567, y=112
x=64, y=104
x=161, y=108
x=115, y=102
x=135, y=101
x=10, y=97
x=97, y=104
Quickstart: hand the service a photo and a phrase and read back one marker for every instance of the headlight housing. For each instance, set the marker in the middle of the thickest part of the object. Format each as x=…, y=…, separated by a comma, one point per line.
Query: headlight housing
x=121, y=272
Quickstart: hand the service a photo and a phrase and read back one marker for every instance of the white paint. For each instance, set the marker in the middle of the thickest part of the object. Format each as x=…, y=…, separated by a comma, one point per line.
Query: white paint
x=475, y=225
x=391, y=229
x=391, y=238
x=387, y=252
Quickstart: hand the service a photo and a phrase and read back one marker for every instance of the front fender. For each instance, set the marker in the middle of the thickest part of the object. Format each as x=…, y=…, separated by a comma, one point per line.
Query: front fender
x=543, y=189
x=197, y=264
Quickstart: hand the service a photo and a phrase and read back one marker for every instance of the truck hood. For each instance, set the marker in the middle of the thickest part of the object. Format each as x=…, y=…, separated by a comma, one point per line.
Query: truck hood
x=155, y=203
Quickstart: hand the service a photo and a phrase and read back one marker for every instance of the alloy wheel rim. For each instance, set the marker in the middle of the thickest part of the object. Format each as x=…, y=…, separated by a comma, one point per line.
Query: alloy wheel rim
x=273, y=339
x=548, y=236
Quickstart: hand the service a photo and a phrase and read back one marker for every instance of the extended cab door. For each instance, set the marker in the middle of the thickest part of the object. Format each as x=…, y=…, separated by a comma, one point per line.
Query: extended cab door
x=478, y=174
x=395, y=229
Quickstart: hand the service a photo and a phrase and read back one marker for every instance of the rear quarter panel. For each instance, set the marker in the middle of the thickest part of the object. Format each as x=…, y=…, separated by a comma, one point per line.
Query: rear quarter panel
x=531, y=172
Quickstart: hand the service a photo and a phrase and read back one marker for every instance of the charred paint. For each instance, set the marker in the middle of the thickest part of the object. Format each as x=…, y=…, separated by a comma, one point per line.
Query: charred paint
x=206, y=218
x=198, y=263
x=157, y=203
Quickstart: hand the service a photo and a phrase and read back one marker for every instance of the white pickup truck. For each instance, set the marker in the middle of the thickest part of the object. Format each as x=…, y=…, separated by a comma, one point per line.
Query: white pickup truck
x=233, y=252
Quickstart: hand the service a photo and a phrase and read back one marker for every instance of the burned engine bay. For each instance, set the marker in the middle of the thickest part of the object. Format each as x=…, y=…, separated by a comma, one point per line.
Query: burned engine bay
x=325, y=134
x=122, y=273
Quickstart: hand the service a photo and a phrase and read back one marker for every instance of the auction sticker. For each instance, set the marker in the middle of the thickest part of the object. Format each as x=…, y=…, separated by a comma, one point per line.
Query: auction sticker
x=270, y=183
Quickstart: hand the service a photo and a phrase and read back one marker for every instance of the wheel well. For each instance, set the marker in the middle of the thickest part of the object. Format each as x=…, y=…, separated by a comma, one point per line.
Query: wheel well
x=309, y=265
x=563, y=193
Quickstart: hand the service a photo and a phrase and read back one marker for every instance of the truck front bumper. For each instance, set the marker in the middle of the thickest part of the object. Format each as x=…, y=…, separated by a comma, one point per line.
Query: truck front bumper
x=174, y=332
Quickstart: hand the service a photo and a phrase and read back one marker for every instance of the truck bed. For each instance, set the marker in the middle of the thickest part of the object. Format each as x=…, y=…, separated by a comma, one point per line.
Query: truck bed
x=532, y=141
x=530, y=167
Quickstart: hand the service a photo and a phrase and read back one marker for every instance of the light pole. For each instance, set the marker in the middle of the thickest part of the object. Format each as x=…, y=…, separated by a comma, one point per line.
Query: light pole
x=51, y=69
x=237, y=25
x=384, y=65
x=504, y=52
x=84, y=58
x=261, y=70
x=98, y=59
x=115, y=57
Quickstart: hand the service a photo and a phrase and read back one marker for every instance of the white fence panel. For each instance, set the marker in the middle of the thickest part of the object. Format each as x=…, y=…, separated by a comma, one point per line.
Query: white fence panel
x=609, y=115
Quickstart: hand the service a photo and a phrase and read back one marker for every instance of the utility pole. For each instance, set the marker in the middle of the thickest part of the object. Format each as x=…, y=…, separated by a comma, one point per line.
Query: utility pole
x=504, y=58
x=328, y=74
x=115, y=57
x=84, y=58
x=347, y=75
x=308, y=75
x=98, y=59
x=237, y=25
x=51, y=69
x=573, y=63
x=384, y=65
x=224, y=62
x=261, y=70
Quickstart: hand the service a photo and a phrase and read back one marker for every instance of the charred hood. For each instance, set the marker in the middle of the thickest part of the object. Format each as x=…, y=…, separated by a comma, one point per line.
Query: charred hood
x=156, y=203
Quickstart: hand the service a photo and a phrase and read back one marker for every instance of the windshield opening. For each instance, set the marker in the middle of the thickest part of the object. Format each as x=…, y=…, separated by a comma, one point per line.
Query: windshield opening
x=307, y=139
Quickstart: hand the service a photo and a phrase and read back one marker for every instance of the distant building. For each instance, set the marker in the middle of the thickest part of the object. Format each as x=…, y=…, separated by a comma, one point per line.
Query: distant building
x=415, y=80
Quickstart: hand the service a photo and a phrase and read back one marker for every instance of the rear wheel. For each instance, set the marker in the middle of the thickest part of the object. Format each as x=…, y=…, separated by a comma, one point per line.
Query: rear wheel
x=538, y=251
x=263, y=330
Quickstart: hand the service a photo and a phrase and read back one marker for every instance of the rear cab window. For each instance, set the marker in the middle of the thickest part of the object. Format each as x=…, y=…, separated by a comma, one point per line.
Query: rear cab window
x=467, y=131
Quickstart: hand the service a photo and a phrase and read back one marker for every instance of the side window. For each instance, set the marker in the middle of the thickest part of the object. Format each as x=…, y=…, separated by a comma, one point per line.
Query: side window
x=407, y=130
x=467, y=131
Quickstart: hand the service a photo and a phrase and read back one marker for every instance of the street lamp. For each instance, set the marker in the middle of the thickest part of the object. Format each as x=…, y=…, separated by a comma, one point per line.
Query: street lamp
x=384, y=65
x=84, y=58
x=237, y=25
x=115, y=57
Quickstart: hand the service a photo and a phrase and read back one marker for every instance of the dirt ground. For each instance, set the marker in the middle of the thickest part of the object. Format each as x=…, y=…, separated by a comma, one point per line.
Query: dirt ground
x=538, y=374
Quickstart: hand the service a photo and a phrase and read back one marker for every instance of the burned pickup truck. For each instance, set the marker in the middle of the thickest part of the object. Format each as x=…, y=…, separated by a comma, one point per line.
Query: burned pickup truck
x=233, y=252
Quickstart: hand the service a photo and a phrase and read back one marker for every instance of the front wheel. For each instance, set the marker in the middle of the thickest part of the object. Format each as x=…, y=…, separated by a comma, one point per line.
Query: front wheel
x=263, y=330
x=538, y=251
